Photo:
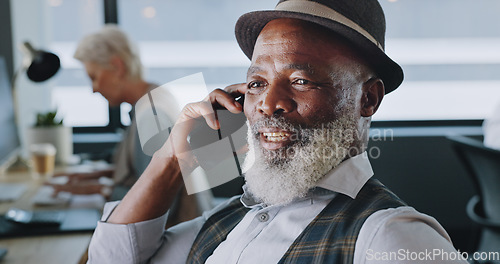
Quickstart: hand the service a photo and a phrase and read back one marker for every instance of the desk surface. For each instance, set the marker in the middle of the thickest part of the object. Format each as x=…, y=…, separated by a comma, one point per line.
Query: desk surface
x=54, y=249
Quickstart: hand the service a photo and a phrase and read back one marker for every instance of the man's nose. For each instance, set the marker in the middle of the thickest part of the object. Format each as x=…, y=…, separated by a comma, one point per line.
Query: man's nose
x=276, y=100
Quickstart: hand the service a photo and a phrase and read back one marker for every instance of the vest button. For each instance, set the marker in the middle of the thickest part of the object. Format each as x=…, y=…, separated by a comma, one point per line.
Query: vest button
x=263, y=217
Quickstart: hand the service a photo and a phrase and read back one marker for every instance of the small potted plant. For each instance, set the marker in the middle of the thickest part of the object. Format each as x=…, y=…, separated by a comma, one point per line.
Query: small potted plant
x=47, y=120
x=49, y=128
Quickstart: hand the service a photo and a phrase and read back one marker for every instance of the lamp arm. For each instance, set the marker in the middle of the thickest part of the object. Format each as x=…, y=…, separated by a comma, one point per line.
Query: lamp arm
x=30, y=53
x=16, y=161
x=14, y=94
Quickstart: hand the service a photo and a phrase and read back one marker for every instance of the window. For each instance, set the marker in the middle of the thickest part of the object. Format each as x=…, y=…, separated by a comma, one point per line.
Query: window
x=68, y=22
x=179, y=38
x=449, y=52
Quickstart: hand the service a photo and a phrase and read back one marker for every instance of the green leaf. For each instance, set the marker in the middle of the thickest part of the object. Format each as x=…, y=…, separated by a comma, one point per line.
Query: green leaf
x=47, y=119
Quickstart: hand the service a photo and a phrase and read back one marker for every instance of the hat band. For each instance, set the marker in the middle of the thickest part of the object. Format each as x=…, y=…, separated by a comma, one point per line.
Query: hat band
x=317, y=9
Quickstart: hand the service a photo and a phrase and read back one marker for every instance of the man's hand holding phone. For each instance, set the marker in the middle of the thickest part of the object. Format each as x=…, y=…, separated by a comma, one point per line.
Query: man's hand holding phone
x=163, y=177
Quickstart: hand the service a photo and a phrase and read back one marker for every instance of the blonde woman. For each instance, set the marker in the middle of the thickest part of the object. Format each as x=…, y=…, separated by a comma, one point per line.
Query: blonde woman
x=114, y=67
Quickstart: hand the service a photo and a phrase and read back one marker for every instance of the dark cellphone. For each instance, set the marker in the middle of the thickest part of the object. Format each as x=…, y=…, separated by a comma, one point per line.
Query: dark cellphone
x=203, y=135
x=241, y=100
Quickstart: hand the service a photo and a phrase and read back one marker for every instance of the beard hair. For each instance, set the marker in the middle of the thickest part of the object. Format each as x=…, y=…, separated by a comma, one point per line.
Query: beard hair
x=278, y=177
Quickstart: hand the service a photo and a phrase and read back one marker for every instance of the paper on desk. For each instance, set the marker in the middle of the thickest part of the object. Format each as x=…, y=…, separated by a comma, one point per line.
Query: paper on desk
x=58, y=180
x=87, y=201
x=11, y=191
x=89, y=166
x=44, y=196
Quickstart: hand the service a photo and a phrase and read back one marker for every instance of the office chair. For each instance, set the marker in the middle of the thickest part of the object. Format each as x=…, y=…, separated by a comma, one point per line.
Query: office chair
x=483, y=165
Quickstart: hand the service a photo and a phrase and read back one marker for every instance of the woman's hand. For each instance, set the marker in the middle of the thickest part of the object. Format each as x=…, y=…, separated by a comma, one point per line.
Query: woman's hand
x=83, y=176
x=86, y=187
x=97, y=182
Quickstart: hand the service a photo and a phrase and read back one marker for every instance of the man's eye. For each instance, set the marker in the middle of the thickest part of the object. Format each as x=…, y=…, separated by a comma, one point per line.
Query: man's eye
x=302, y=82
x=253, y=85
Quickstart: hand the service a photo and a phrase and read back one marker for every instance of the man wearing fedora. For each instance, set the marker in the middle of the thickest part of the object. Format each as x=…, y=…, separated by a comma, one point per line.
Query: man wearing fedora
x=318, y=74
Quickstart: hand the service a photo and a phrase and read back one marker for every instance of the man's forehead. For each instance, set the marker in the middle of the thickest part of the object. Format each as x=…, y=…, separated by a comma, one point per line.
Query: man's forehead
x=307, y=51
x=306, y=67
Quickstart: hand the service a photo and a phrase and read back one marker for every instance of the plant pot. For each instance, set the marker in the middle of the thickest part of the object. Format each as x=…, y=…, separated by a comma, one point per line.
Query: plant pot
x=59, y=136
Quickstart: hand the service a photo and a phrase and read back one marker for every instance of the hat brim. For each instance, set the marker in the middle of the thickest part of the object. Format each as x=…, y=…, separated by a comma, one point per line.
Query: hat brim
x=251, y=24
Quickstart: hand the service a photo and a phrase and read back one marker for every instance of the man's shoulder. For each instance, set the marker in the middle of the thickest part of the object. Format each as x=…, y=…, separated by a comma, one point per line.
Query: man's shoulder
x=389, y=218
x=373, y=197
x=393, y=229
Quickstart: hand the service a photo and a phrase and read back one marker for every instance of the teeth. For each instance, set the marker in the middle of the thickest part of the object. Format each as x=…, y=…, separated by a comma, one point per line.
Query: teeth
x=276, y=136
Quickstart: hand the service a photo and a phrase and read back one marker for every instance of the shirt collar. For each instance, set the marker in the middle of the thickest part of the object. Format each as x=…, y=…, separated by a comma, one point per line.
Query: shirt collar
x=347, y=178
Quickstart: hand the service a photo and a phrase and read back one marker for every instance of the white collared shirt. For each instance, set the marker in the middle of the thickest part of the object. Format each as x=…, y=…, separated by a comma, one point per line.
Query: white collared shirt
x=396, y=235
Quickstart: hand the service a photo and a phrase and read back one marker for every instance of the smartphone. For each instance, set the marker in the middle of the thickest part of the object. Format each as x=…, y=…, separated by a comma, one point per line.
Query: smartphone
x=232, y=127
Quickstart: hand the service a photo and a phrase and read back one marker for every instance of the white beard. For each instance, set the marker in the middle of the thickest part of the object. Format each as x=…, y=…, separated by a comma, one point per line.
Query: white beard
x=278, y=177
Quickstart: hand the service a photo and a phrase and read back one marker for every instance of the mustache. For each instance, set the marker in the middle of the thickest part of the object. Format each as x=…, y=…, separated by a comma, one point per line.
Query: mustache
x=299, y=134
x=277, y=122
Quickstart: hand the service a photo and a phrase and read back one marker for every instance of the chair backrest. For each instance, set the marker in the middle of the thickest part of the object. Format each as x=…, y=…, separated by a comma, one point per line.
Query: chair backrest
x=483, y=164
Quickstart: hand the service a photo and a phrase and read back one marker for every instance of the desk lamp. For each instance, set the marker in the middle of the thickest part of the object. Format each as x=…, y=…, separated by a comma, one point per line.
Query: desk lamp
x=40, y=66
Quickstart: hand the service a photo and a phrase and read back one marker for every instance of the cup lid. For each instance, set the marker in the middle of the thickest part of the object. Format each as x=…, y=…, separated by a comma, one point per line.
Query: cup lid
x=43, y=149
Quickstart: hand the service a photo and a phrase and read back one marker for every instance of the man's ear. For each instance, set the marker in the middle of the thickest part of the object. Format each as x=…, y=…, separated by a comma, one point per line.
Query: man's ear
x=118, y=65
x=373, y=92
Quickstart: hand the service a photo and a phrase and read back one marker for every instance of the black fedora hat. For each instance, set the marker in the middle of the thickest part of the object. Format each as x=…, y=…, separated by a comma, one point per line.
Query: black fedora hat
x=361, y=22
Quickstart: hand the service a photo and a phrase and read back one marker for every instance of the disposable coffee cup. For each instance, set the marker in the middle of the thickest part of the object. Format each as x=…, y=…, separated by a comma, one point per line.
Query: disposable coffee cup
x=43, y=157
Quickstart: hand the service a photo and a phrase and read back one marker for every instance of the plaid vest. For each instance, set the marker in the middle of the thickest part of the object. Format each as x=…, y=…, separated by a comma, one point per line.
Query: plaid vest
x=329, y=238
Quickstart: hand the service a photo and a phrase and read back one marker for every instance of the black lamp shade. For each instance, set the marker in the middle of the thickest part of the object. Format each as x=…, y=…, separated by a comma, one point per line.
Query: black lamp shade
x=44, y=66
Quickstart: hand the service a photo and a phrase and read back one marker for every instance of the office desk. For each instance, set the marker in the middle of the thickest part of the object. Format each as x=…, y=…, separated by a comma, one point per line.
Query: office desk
x=53, y=249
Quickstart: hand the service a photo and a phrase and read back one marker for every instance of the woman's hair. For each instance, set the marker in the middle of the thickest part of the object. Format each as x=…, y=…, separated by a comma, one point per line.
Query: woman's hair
x=102, y=45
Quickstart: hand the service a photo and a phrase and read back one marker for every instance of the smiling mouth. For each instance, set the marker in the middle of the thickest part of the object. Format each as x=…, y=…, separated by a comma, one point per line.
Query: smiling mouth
x=274, y=140
x=276, y=136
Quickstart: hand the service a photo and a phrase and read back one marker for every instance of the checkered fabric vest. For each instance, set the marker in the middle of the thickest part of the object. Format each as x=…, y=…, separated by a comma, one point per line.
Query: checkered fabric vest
x=329, y=238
